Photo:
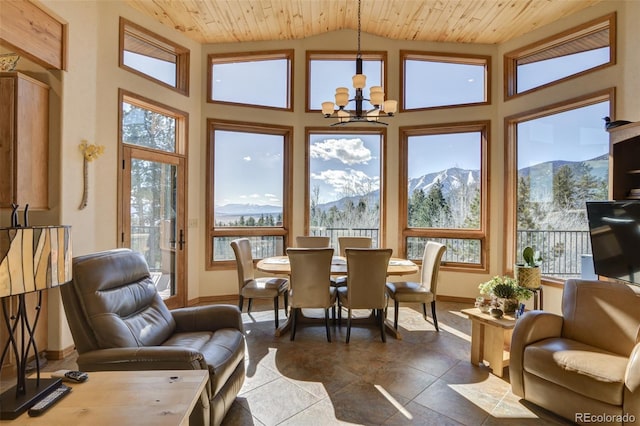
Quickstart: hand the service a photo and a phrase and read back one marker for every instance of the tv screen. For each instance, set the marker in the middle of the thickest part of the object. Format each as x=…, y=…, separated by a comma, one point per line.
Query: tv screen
x=614, y=227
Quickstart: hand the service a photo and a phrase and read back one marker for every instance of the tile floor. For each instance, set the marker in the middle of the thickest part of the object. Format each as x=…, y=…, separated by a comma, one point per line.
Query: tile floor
x=424, y=379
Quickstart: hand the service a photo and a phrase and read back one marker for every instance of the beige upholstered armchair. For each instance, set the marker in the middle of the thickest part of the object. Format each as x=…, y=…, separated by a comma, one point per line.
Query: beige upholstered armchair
x=119, y=322
x=585, y=362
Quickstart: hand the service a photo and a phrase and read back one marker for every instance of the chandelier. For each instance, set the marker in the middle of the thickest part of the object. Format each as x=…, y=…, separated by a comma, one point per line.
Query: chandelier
x=380, y=107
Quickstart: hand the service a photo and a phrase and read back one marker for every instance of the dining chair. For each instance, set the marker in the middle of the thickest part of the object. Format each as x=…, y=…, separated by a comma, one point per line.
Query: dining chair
x=312, y=241
x=353, y=242
x=309, y=283
x=423, y=291
x=257, y=288
x=345, y=243
x=366, y=280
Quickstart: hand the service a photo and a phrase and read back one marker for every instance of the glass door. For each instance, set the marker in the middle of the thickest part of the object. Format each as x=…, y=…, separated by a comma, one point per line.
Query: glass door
x=153, y=217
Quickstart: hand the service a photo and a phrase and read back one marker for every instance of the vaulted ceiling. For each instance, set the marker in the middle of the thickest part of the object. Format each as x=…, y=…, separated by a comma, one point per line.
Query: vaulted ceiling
x=457, y=21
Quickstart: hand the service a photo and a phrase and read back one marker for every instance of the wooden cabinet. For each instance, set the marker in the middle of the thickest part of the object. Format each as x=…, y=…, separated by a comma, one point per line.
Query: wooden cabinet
x=24, y=141
x=624, y=150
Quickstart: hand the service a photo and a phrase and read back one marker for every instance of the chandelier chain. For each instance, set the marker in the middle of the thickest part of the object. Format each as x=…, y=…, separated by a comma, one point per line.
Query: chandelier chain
x=359, y=26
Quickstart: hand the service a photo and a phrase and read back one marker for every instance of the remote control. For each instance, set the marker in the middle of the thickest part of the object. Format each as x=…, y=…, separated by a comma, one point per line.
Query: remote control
x=45, y=403
x=70, y=376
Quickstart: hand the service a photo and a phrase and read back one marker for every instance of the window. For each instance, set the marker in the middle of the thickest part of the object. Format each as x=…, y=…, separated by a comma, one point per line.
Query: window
x=567, y=55
x=258, y=79
x=154, y=57
x=432, y=80
x=443, y=193
x=248, y=194
x=557, y=160
x=328, y=70
x=345, y=183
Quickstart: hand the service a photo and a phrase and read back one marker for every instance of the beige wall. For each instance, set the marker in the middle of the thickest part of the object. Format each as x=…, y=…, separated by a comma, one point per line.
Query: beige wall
x=88, y=107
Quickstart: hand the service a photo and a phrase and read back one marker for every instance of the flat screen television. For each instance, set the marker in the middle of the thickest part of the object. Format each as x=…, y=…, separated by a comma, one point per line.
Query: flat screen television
x=614, y=228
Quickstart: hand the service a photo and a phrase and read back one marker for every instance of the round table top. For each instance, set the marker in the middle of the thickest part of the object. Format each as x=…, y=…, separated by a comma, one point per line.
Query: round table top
x=279, y=265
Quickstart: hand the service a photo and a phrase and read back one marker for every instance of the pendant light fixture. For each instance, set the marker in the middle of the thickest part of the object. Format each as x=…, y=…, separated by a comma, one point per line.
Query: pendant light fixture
x=380, y=107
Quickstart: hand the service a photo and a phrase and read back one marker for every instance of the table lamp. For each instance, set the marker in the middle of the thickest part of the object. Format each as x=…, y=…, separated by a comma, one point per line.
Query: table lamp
x=32, y=259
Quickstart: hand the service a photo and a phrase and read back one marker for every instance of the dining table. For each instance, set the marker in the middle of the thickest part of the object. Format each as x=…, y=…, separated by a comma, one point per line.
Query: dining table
x=279, y=265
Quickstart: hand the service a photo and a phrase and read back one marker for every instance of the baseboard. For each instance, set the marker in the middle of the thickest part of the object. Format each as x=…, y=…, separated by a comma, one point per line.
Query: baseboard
x=206, y=300
x=455, y=299
x=62, y=354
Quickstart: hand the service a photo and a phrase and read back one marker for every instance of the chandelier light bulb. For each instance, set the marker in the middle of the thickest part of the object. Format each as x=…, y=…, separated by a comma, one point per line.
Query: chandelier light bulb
x=359, y=81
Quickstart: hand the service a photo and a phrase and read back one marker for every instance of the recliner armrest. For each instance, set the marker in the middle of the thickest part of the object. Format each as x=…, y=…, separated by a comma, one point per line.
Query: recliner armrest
x=142, y=358
x=207, y=318
x=531, y=327
x=631, y=405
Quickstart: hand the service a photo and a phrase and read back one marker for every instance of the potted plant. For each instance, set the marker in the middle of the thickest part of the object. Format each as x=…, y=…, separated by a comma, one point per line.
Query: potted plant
x=505, y=293
x=527, y=274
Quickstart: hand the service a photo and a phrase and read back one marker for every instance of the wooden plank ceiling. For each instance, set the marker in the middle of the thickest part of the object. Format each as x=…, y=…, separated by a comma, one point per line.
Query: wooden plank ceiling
x=457, y=21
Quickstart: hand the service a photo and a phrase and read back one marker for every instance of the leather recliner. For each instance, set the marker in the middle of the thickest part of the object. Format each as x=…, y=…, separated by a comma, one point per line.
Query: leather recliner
x=119, y=322
x=586, y=362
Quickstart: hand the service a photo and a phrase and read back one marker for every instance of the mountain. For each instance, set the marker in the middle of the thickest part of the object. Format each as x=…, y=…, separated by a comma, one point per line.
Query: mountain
x=543, y=172
x=450, y=178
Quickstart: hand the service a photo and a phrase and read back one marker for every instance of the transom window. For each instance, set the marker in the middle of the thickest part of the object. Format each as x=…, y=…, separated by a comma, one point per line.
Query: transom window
x=249, y=176
x=443, y=191
x=327, y=71
x=258, y=79
x=154, y=57
x=432, y=80
x=582, y=49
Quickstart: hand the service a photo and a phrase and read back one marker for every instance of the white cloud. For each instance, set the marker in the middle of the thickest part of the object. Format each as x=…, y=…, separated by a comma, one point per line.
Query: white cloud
x=348, y=151
x=348, y=182
x=247, y=158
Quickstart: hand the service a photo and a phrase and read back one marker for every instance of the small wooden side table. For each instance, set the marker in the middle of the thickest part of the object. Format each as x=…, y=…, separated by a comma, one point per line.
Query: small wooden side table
x=490, y=339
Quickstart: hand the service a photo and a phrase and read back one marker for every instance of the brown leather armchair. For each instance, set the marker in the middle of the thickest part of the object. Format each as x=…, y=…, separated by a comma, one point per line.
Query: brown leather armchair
x=585, y=362
x=119, y=322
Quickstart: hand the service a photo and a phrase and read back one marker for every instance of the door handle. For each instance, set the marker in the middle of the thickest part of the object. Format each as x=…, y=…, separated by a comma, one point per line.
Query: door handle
x=181, y=241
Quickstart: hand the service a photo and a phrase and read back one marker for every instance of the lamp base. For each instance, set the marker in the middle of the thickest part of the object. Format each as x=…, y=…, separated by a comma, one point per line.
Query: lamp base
x=12, y=405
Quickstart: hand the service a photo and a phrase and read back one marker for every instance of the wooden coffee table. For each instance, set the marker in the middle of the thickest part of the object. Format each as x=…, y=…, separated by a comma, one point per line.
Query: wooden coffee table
x=155, y=398
x=490, y=339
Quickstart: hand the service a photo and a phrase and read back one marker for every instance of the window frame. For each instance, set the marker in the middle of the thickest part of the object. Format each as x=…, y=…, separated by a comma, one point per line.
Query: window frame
x=511, y=166
x=555, y=42
x=181, y=53
x=281, y=231
x=482, y=234
x=254, y=56
x=382, y=133
x=453, y=58
x=338, y=55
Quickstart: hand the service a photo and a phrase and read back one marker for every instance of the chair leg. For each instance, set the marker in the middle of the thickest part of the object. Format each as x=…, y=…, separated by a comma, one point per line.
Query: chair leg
x=249, y=306
x=286, y=302
x=240, y=302
x=339, y=313
x=276, y=308
x=424, y=311
x=433, y=314
x=396, y=309
x=349, y=325
x=326, y=324
x=382, y=330
x=294, y=312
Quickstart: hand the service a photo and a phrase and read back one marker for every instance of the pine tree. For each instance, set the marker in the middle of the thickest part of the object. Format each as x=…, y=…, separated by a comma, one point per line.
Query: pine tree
x=564, y=186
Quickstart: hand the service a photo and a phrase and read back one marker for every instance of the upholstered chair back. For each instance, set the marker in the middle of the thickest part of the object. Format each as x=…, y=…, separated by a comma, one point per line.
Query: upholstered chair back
x=112, y=302
x=312, y=241
x=431, y=259
x=367, y=277
x=353, y=242
x=310, y=277
x=244, y=261
x=602, y=314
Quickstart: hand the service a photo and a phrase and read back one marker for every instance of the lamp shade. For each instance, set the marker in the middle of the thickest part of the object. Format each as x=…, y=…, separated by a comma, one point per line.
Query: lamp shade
x=34, y=258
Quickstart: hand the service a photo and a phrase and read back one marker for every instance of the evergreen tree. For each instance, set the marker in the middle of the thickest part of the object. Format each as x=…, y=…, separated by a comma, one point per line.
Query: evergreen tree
x=564, y=186
x=525, y=208
x=436, y=208
x=472, y=220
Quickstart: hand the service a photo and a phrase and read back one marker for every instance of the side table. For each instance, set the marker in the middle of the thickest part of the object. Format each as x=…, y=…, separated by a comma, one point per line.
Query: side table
x=490, y=339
